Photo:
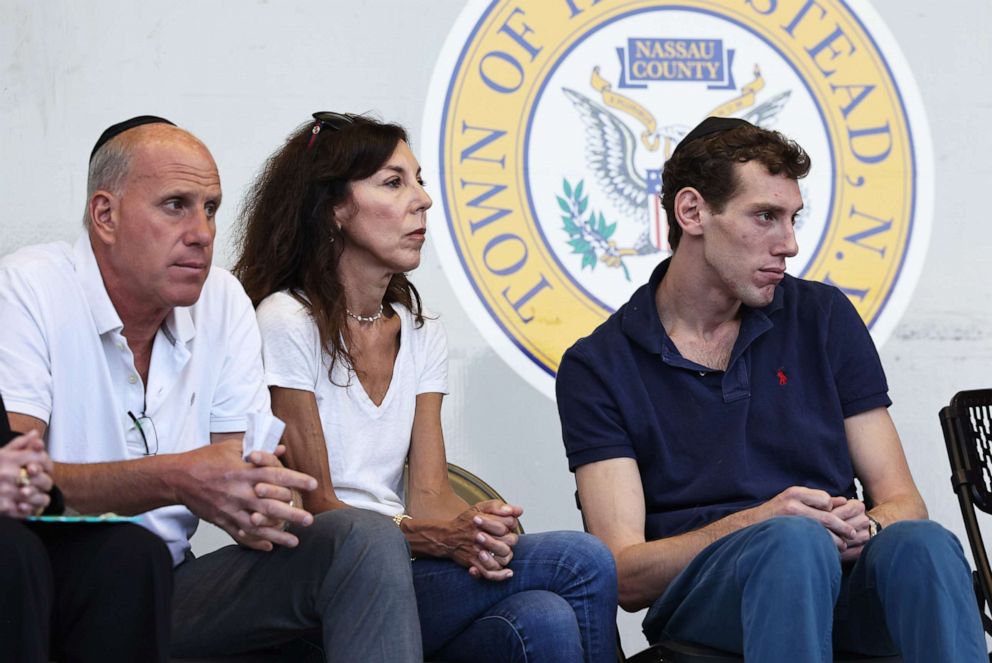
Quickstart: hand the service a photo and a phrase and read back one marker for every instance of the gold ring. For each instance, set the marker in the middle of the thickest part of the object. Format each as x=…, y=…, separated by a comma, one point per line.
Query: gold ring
x=23, y=479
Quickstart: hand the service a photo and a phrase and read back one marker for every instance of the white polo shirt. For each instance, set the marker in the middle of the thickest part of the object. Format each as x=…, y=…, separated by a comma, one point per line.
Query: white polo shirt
x=64, y=360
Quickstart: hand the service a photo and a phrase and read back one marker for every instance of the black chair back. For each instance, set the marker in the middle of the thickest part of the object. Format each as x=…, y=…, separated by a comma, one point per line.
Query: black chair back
x=967, y=426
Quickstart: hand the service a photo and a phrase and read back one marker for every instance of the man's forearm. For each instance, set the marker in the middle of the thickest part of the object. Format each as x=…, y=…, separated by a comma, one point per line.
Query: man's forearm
x=645, y=570
x=125, y=487
x=909, y=506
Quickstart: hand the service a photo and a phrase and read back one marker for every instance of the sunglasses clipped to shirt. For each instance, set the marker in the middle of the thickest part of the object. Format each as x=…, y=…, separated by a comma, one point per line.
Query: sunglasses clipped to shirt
x=146, y=429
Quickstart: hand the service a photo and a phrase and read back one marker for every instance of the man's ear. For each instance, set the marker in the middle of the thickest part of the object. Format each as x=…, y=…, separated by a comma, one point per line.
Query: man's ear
x=689, y=210
x=102, y=211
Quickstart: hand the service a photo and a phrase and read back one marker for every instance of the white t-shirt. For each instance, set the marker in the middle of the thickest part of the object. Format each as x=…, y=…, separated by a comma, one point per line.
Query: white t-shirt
x=64, y=360
x=366, y=445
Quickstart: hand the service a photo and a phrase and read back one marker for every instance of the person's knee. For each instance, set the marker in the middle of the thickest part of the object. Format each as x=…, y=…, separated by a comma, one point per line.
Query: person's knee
x=794, y=544
x=787, y=560
x=795, y=533
x=591, y=552
x=136, y=541
x=130, y=556
x=128, y=542
x=540, y=624
x=915, y=544
x=363, y=529
x=568, y=562
x=591, y=561
x=918, y=534
x=371, y=542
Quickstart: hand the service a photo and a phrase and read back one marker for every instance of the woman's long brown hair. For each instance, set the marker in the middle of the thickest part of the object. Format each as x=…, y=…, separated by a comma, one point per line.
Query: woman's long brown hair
x=288, y=238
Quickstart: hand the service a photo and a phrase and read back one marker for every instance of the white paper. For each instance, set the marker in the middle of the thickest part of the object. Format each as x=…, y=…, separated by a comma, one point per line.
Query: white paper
x=263, y=433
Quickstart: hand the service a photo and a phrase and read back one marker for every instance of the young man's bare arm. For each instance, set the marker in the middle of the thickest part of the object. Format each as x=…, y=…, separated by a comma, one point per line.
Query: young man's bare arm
x=880, y=464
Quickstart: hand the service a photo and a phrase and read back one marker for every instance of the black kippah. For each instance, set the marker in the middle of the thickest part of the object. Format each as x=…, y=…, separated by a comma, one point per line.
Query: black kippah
x=117, y=129
x=711, y=125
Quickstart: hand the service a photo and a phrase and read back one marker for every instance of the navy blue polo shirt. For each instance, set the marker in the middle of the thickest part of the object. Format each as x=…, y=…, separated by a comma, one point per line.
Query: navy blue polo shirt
x=709, y=443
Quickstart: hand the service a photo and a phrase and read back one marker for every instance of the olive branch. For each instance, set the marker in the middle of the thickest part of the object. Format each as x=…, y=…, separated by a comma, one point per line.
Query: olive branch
x=590, y=233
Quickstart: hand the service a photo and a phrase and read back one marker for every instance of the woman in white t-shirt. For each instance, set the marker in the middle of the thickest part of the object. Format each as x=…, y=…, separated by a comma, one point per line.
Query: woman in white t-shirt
x=358, y=370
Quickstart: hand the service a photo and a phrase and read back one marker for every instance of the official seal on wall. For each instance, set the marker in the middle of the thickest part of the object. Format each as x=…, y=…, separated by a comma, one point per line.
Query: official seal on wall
x=548, y=122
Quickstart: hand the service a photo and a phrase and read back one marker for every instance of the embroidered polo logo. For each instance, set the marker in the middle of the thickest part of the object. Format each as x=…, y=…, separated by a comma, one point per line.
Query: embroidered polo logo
x=782, y=377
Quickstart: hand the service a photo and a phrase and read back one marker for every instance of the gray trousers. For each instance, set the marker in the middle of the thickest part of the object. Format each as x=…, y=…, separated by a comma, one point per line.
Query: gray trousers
x=348, y=580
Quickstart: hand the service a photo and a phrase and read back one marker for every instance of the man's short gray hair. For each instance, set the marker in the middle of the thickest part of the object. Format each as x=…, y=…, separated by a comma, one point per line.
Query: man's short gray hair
x=108, y=169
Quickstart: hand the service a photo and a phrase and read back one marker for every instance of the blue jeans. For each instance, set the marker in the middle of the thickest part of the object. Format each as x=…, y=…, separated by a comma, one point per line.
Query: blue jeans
x=560, y=605
x=776, y=591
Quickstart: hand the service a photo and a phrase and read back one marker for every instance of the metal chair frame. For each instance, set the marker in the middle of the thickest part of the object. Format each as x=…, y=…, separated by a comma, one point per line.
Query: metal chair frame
x=967, y=427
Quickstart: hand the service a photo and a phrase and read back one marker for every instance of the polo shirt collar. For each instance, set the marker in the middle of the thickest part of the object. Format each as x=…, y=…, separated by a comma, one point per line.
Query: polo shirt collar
x=640, y=320
x=754, y=323
x=178, y=325
x=641, y=323
x=104, y=314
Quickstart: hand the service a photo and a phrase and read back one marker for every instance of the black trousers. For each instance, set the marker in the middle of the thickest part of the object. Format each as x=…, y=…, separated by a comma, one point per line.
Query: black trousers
x=83, y=592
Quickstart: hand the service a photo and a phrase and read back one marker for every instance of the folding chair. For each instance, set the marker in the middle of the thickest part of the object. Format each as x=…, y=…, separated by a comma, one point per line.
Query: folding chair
x=967, y=426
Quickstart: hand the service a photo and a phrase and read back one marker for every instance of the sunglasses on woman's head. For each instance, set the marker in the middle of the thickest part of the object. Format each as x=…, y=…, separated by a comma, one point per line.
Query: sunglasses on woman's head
x=330, y=120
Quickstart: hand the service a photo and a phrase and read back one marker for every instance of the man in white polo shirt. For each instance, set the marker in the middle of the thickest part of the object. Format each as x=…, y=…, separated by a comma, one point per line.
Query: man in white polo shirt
x=141, y=365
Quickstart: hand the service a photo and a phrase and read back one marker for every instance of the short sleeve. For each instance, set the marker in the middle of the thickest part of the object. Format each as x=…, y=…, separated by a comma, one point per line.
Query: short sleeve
x=290, y=344
x=5, y=433
x=433, y=373
x=858, y=373
x=25, y=366
x=591, y=424
x=241, y=388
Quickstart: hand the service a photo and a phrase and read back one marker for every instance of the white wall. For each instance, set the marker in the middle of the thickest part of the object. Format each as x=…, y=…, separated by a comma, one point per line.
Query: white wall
x=241, y=75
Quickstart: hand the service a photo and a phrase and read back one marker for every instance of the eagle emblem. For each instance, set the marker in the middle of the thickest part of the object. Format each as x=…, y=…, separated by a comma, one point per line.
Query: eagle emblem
x=610, y=151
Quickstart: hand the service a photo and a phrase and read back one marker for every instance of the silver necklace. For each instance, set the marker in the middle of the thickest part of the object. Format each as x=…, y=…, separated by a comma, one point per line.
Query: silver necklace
x=365, y=318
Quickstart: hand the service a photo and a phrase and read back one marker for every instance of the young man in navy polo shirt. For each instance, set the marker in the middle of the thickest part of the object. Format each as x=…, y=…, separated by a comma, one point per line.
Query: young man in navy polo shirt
x=716, y=423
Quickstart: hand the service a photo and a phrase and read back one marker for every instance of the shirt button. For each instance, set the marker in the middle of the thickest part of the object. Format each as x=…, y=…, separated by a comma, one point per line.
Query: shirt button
x=702, y=374
x=132, y=378
x=120, y=346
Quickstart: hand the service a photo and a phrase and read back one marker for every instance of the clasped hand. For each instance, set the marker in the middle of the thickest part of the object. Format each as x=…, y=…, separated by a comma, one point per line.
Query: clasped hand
x=25, y=476
x=484, y=537
x=251, y=501
x=845, y=519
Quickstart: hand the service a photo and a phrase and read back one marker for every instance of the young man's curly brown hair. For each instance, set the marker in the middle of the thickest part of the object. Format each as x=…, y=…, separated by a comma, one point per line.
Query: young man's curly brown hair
x=707, y=165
